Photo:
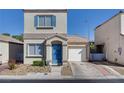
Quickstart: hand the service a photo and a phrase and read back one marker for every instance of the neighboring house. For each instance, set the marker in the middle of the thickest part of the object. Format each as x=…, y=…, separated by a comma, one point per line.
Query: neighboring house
x=10, y=48
x=109, y=38
x=45, y=38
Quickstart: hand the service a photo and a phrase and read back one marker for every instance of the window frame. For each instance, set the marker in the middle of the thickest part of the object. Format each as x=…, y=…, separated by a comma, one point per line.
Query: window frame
x=29, y=55
x=45, y=26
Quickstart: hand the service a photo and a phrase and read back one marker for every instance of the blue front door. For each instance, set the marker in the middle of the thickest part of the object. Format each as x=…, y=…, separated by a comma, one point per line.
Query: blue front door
x=56, y=54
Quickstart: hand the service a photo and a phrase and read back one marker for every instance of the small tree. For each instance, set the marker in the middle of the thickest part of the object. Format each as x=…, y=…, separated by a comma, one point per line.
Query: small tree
x=18, y=37
x=92, y=47
x=6, y=34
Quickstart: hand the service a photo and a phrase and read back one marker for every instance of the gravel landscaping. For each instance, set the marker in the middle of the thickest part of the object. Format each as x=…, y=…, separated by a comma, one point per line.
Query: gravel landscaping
x=66, y=70
x=23, y=69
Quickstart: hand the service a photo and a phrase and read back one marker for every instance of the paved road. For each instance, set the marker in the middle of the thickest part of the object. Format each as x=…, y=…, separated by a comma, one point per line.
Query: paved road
x=64, y=81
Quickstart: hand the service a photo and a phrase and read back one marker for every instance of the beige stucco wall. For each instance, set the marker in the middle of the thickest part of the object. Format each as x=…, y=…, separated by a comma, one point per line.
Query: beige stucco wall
x=64, y=42
x=15, y=50
x=4, y=50
x=122, y=23
x=65, y=59
x=121, y=40
x=28, y=59
x=47, y=50
x=49, y=54
x=109, y=35
x=61, y=23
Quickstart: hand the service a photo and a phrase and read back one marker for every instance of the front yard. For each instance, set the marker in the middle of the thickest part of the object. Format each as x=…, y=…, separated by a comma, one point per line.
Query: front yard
x=23, y=69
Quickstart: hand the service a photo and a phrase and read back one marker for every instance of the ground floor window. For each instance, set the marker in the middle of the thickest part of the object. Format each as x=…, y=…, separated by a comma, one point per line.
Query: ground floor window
x=35, y=49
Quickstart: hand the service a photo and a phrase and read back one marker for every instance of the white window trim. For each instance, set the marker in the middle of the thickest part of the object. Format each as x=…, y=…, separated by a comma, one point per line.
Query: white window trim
x=33, y=55
x=38, y=26
x=45, y=26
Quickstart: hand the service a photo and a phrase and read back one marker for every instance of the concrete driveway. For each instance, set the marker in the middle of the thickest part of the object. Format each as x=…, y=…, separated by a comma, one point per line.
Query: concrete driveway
x=87, y=70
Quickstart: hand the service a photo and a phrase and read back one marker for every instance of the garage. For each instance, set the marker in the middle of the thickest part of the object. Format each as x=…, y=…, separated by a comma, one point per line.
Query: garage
x=77, y=54
x=77, y=49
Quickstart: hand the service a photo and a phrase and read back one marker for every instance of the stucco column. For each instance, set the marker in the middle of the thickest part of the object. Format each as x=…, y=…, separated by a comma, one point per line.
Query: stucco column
x=64, y=54
x=49, y=54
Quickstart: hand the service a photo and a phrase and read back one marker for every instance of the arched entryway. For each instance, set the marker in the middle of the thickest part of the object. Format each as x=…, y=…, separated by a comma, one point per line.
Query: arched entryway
x=56, y=52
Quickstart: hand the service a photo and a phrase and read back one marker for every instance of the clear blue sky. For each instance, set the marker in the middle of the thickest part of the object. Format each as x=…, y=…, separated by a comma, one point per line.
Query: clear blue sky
x=11, y=21
x=79, y=21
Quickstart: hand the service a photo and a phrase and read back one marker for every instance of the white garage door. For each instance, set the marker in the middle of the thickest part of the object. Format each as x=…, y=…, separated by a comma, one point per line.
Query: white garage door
x=76, y=54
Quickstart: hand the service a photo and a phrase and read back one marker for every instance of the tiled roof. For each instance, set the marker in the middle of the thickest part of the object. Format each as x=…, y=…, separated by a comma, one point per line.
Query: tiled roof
x=70, y=39
x=41, y=35
x=9, y=39
x=77, y=39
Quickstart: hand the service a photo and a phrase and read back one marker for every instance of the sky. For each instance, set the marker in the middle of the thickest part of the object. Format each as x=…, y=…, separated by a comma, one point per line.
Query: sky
x=11, y=21
x=80, y=21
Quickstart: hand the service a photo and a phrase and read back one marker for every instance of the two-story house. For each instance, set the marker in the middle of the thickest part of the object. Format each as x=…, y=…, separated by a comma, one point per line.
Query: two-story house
x=45, y=37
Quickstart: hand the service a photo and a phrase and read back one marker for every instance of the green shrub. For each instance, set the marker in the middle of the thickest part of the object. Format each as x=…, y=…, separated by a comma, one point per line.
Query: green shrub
x=38, y=63
x=12, y=64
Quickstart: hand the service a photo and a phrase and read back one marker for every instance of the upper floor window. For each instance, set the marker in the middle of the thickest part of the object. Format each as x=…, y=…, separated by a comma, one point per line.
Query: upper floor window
x=45, y=21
